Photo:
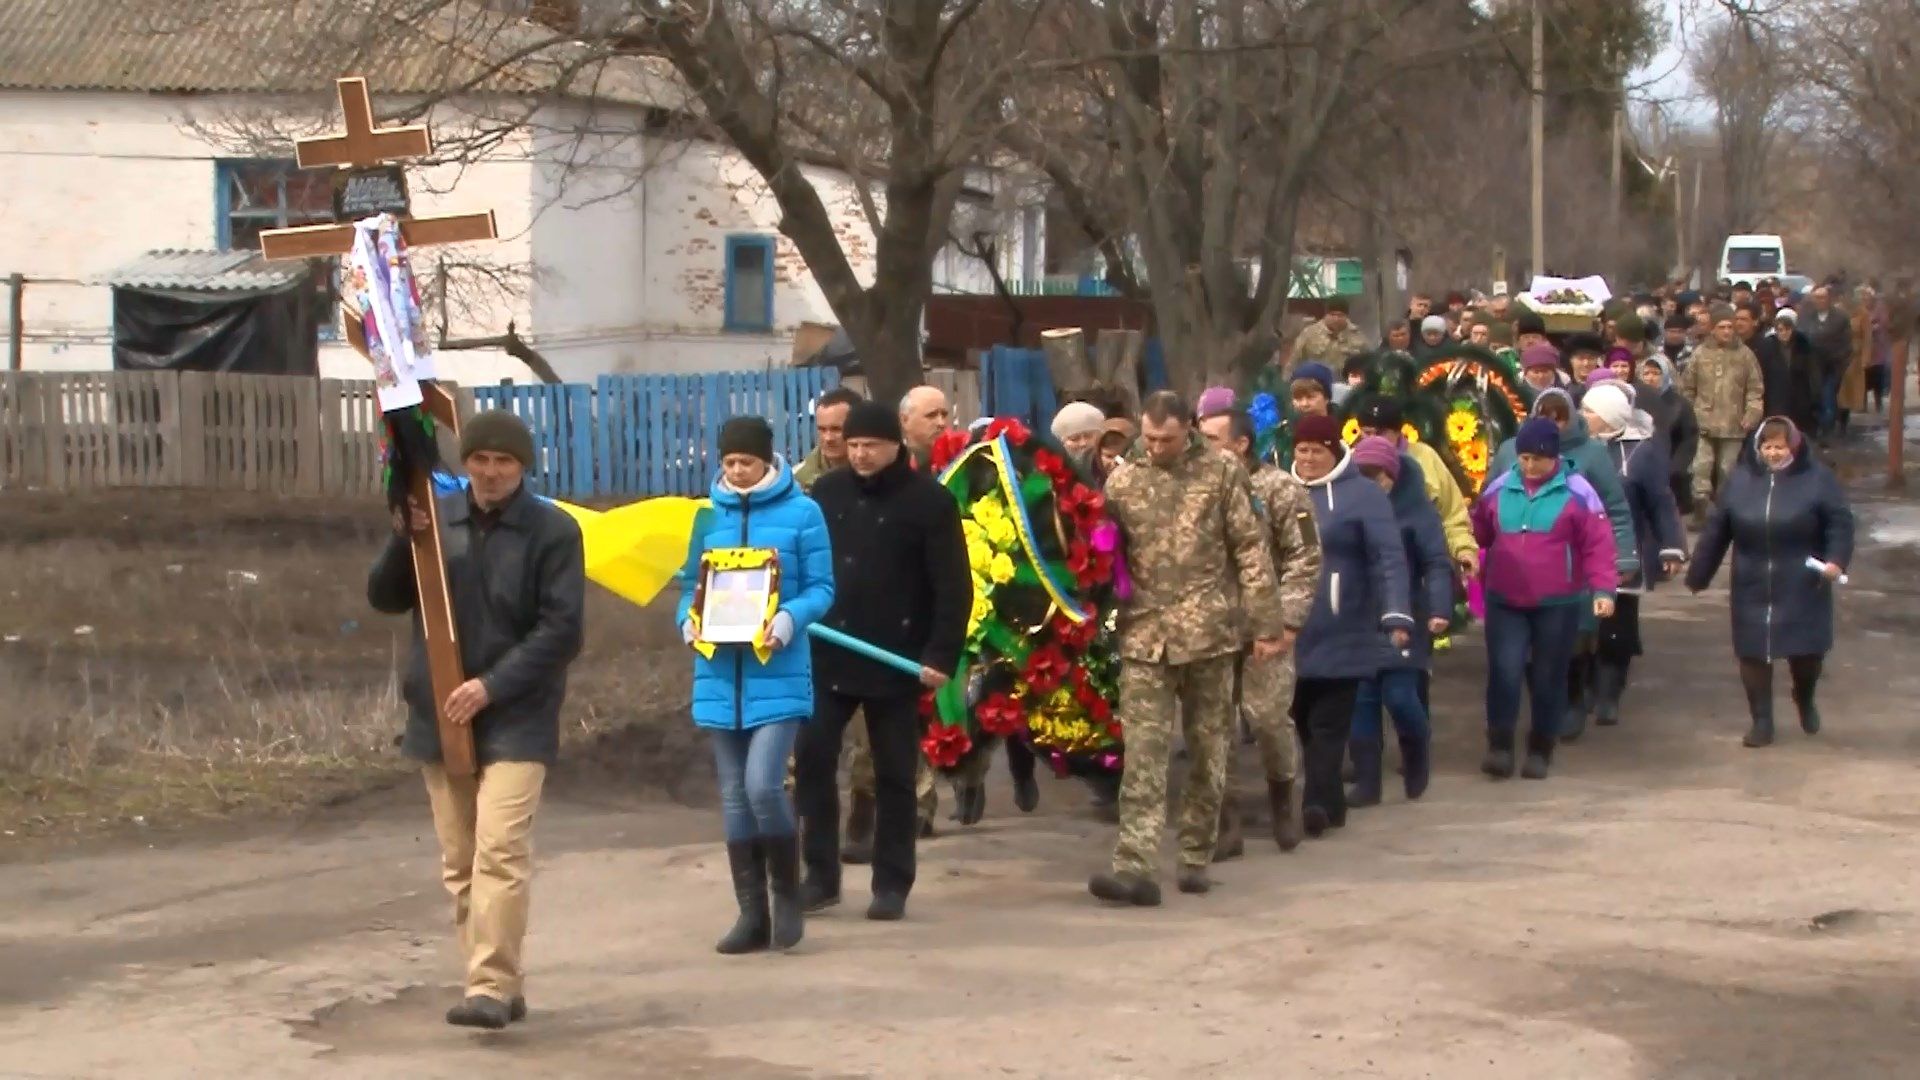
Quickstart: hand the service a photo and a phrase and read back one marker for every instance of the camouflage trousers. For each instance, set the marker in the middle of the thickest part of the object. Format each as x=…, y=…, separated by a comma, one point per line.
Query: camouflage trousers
x=859, y=762
x=1712, y=464
x=1201, y=694
x=860, y=773
x=1265, y=693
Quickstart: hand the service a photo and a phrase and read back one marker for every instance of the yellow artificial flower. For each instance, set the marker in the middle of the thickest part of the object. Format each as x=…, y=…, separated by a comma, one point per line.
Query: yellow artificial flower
x=979, y=555
x=1351, y=433
x=1002, y=569
x=1410, y=433
x=1473, y=456
x=988, y=509
x=1002, y=535
x=1462, y=426
x=982, y=607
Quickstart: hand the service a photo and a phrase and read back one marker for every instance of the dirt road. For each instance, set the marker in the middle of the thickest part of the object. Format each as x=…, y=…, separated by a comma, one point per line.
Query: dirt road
x=1668, y=905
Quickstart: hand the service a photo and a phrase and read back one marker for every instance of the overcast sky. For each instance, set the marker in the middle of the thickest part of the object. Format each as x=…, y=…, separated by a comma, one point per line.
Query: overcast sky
x=1664, y=78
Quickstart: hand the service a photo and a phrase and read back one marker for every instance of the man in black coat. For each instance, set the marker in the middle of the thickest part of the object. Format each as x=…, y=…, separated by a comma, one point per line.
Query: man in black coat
x=901, y=583
x=517, y=579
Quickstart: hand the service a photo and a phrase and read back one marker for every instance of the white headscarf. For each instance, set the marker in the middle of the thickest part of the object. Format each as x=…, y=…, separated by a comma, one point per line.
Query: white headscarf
x=1612, y=404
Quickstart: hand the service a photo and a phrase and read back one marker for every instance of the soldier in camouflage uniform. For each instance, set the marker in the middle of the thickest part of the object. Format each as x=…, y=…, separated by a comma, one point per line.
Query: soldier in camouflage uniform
x=1725, y=385
x=1192, y=535
x=1266, y=686
x=1329, y=341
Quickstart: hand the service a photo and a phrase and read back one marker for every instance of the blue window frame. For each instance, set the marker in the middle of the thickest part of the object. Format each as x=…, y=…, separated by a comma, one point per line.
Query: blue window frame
x=749, y=283
x=255, y=194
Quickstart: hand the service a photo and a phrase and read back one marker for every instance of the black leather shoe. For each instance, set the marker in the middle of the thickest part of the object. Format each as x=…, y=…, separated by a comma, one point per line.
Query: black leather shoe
x=887, y=907
x=1125, y=889
x=481, y=1011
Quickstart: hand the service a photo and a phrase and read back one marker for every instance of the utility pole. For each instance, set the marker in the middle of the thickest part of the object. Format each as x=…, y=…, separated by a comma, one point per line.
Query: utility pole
x=1615, y=209
x=1680, y=225
x=1537, y=137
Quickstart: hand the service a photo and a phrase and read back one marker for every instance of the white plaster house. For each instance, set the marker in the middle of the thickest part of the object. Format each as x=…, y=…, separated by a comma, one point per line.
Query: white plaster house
x=629, y=253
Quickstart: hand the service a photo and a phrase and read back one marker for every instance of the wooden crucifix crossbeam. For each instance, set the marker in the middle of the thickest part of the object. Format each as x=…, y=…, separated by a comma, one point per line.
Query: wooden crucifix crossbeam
x=365, y=146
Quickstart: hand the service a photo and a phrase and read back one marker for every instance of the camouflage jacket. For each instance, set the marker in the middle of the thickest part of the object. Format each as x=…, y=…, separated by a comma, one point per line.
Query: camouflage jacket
x=1283, y=503
x=1725, y=387
x=810, y=469
x=1317, y=343
x=1197, y=552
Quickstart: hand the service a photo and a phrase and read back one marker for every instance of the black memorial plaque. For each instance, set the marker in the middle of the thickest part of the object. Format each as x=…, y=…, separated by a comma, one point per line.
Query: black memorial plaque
x=361, y=193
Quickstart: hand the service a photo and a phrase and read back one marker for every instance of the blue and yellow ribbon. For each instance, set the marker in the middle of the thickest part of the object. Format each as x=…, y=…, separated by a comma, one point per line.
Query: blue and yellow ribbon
x=1000, y=454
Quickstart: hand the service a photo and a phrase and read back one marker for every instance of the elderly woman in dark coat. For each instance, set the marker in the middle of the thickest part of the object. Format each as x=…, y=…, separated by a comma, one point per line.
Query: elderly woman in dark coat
x=1781, y=508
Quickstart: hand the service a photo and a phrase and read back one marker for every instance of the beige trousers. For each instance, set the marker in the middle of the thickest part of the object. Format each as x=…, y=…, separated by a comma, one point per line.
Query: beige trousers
x=485, y=826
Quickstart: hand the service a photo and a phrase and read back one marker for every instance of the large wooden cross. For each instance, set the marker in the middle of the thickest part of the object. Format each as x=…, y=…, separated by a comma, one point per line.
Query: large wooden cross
x=364, y=146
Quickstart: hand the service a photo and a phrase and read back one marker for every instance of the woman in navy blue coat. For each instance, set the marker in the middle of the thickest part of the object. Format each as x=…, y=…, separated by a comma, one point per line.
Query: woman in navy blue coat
x=1361, y=603
x=753, y=698
x=1780, y=509
x=1630, y=438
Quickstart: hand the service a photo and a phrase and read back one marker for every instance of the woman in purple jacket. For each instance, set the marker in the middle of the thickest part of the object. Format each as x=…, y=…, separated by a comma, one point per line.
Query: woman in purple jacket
x=1548, y=542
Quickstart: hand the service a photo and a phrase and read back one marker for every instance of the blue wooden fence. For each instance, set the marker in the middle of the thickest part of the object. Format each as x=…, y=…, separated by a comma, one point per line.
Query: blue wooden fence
x=1015, y=382
x=643, y=435
x=635, y=436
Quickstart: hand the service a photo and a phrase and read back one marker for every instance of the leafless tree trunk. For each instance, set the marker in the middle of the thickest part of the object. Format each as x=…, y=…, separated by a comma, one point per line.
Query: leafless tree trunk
x=1738, y=65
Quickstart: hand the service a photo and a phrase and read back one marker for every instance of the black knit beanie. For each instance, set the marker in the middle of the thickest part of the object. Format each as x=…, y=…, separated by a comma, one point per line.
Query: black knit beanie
x=500, y=432
x=750, y=435
x=872, y=420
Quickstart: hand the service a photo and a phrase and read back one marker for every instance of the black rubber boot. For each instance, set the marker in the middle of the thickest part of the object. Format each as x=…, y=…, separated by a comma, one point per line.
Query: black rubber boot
x=971, y=804
x=856, y=846
x=1809, y=712
x=1499, y=760
x=1026, y=790
x=1579, y=698
x=751, y=931
x=1416, y=765
x=1760, y=709
x=1609, y=682
x=1366, y=773
x=783, y=872
x=1539, y=756
x=1230, y=843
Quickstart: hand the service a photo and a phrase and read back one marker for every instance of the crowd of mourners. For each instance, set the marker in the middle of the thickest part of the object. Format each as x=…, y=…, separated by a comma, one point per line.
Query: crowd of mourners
x=1288, y=601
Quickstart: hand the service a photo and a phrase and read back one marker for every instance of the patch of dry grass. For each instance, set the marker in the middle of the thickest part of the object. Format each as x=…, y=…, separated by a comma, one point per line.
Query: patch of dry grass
x=173, y=656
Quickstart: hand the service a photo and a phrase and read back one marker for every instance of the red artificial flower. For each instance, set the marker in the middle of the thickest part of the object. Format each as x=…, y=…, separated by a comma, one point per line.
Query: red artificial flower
x=1115, y=731
x=1083, y=504
x=1015, y=431
x=946, y=448
x=1053, y=465
x=1074, y=636
x=1000, y=714
x=1046, y=666
x=945, y=746
x=1100, y=711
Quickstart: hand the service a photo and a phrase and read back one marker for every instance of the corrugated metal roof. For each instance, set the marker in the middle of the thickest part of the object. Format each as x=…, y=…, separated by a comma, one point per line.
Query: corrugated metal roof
x=301, y=46
x=204, y=271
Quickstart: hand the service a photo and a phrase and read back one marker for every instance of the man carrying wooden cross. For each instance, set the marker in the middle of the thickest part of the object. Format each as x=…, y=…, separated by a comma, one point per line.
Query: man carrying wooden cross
x=495, y=577
x=517, y=578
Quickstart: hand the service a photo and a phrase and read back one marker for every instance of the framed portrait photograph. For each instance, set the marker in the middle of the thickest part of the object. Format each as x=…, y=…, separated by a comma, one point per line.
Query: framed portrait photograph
x=738, y=594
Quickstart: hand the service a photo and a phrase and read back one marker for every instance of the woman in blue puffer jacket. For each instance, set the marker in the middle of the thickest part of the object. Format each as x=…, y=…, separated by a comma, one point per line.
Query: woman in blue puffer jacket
x=753, y=699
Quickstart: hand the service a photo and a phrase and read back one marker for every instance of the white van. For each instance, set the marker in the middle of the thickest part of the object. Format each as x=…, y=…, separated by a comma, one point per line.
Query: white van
x=1749, y=260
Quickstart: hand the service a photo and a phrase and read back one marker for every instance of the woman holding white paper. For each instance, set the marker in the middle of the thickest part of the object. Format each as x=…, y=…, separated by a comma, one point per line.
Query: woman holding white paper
x=1791, y=530
x=752, y=672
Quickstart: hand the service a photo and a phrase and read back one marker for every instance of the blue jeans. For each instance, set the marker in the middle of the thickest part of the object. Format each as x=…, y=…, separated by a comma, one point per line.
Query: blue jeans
x=752, y=767
x=1399, y=690
x=1829, y=401
x=1533, y=646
